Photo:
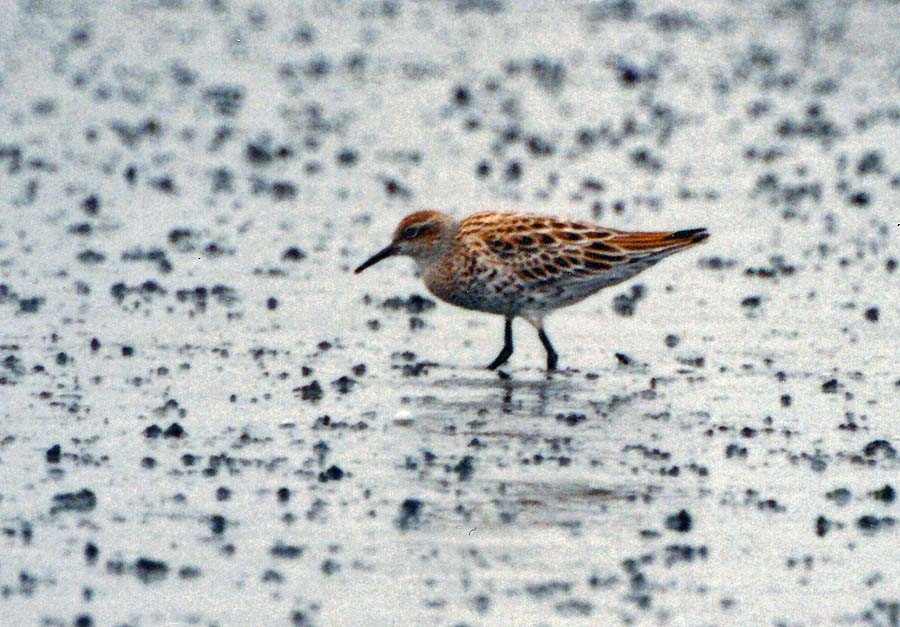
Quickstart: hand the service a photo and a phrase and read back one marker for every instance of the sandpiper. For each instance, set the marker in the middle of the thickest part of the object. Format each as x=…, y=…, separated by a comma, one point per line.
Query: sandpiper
x=519, y=265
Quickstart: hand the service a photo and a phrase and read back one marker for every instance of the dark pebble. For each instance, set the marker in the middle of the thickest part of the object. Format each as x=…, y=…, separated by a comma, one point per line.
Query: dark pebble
x=286, y=551
x=465, y=468
x=684, y=553
x=415, y=304
x=222, y=180
x=880, y=447
x=299, y=619
x=540, y=147
x=311, y=392
x=347, y=157
x=30, y=305
x=841, y=496
x=344, y=384
x=257, y=154
x=680, y=522
x=272, y=576
x=626, y=304
x=217, y=524
x=642, y=157
x=887, y=494
x=751, y=302
x=225, y=99
x=629, y=76
x=283, y=190
x=571, y=419
x=164, y=184
x=771, y=505
x=91, y=205
x=334, y=473
x=860, y=199
x=329, y=567
x=393, y=187
x=91, y=552
x=716, y=263
x=293, y=254
x=416, y=323
x=872, y=314
x=153, y=431
x=148, y=570
x=174, y=430
x=870, y=163
x=461, y=96
x=53, y=454
x=513, y=171
x=874, y=523
x=410, y=514
x=81, y=501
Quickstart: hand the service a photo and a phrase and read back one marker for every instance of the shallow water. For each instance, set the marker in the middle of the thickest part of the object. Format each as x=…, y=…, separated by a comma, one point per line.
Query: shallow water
x=206, y=418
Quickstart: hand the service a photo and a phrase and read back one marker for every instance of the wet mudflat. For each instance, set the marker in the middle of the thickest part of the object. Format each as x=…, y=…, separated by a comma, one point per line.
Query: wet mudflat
x=205, y=418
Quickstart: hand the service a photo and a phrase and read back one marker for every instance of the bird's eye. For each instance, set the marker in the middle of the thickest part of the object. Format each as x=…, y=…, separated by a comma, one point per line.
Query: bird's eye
x=410, y=232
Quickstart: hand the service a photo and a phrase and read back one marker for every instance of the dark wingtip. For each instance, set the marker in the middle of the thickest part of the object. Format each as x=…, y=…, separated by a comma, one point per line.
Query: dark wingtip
x=695, y=235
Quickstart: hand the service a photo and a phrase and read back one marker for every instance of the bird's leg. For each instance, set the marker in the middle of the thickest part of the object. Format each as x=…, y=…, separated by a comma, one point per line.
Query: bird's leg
x=552, y=355
x=507, y=347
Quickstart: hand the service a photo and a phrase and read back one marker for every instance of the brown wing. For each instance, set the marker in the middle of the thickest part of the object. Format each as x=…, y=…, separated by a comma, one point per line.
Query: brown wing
x=543, y=250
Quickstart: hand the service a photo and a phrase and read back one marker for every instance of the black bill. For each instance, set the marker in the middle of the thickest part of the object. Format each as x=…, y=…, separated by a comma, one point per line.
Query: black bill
x=381, y=254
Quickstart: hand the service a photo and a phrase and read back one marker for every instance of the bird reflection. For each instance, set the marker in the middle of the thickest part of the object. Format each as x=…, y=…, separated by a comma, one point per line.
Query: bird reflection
x=510, y=394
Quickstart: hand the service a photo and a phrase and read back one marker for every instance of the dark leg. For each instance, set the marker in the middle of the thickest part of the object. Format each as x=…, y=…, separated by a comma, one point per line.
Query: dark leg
x=552, y=355
x=507, y=347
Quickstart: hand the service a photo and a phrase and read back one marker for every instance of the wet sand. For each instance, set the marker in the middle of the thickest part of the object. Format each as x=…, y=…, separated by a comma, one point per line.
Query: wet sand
x=207, y=419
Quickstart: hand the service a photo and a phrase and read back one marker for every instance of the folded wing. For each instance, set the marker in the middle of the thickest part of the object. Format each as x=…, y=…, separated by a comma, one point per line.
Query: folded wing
x=549, y=252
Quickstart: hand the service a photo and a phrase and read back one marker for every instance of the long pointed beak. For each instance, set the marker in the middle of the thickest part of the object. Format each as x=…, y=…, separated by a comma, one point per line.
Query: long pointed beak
x=385, y=252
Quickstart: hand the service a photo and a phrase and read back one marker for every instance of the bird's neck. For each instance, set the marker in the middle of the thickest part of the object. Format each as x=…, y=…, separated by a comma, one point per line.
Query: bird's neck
x=439, y=253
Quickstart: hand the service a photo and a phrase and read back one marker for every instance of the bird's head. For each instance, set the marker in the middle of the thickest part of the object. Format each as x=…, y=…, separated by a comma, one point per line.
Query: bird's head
x=423, y=235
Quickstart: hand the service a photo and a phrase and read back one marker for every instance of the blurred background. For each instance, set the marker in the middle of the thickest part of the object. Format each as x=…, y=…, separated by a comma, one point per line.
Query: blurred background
x=186, y=185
